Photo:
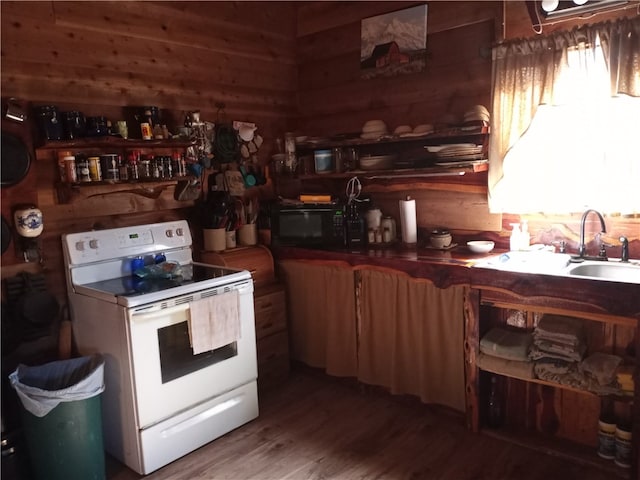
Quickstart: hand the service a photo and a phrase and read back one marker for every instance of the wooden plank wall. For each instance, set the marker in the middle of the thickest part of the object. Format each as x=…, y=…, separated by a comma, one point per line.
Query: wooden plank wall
x=103, y=57
x=333, y=99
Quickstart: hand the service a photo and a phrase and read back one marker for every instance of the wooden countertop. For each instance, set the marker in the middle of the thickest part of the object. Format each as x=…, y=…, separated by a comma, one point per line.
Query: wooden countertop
x=454, y=267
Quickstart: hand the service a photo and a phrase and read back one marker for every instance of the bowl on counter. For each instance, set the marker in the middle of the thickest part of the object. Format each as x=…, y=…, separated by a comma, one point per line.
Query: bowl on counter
x=481, y=246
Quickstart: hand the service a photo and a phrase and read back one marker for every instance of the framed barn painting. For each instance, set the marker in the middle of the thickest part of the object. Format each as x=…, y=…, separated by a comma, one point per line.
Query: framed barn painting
x=394, y=43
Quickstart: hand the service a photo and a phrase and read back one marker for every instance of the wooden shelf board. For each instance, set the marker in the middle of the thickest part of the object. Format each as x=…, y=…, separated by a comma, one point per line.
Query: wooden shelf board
x=112, y=141
x=559, y=447
x=553, y=384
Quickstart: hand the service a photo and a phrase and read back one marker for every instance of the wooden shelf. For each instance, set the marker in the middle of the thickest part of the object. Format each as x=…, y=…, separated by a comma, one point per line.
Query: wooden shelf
x=451, y=135
x=79, y=192
x=625, y=398
x=115, y=142
x=559, y=447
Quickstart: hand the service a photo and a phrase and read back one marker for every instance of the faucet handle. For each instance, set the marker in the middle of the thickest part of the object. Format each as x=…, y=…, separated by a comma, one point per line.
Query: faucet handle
x=624, y=256
x=562, y=245
x=602, y=254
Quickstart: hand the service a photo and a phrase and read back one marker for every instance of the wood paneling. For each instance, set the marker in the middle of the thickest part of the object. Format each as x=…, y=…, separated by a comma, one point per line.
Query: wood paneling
x=104, y=58
x=334, y=99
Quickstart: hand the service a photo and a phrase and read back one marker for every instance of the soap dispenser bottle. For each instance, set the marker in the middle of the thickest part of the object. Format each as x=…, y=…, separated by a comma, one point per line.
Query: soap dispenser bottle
x=514, y=241
x=525, y=239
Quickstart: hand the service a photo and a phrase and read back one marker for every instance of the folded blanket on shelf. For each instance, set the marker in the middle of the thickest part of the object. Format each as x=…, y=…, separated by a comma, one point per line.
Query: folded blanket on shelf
x=601, y=366
x=506, y=343
x=574, y=378
x=511, y=368
x=536, y=353
x=559, y=328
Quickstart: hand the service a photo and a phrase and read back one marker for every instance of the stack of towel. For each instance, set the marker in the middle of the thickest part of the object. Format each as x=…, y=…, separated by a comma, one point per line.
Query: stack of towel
x=506, y=351
x=560, y=338
x=558, y=347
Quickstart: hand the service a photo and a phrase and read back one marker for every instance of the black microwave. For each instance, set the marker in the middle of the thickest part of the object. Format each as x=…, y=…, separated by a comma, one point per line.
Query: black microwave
x=307, y=225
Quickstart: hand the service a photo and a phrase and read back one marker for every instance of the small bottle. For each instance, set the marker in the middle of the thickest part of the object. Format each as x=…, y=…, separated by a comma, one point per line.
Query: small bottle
x=136, y=264
x=160, y=258
x=378, y=235
x=371, y=236
x=495, y=412
x=525, y=239
x=514, y=241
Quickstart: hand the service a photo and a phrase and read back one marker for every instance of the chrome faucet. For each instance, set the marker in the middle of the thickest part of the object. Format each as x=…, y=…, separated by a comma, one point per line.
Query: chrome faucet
x=582, y=248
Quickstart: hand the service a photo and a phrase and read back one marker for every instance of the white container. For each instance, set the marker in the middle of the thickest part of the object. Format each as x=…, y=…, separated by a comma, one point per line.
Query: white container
x=373, y=217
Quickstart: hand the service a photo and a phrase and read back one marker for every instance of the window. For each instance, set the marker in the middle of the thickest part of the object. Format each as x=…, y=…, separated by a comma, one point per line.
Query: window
x=566, y=126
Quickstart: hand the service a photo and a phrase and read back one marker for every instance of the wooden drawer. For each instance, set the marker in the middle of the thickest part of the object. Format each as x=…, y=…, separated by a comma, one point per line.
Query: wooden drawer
x=272, y=348
x=270, y=310
x=258, y=260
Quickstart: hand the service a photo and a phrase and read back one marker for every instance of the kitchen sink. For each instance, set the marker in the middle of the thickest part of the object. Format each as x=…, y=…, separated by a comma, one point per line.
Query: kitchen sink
x=544, y=262
x=612, y=270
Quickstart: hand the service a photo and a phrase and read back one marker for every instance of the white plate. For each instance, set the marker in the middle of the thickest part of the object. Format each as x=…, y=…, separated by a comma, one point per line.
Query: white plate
x=438, y=148
x=377, y=162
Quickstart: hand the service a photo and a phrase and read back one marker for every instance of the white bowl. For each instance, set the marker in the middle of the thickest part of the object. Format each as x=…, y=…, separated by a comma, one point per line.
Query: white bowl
x=481, y=246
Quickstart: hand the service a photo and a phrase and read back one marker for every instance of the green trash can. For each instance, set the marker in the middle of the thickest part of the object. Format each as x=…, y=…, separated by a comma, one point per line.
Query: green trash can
x=62, y=417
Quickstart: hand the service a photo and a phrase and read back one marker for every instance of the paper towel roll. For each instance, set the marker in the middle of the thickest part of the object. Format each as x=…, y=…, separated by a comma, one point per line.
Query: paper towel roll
x=408, y=221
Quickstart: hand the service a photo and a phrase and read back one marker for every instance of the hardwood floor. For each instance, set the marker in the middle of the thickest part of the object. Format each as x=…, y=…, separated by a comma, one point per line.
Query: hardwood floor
x=315, y=427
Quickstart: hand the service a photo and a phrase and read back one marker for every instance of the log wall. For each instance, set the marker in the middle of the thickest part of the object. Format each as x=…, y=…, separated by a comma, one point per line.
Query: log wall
x=334, y=99
x=285, y=66
x=104, y=57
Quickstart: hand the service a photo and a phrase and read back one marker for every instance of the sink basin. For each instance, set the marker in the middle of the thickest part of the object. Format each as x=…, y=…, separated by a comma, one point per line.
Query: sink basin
x=612, y=271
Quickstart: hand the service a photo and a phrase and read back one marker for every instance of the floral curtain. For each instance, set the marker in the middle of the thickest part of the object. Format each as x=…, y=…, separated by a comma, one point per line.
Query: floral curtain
x=552, y=96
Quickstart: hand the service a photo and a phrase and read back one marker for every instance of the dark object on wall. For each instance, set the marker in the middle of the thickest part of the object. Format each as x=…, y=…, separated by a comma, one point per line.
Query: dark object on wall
x=15, y=159
x=49, y=122
x=6, y=235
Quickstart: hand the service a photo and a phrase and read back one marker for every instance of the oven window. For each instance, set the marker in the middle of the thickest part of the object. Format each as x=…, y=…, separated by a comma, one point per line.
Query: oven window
x=177, y=358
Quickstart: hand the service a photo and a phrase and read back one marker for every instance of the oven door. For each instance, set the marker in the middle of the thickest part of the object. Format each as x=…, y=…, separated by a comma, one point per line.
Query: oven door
x=167, y=376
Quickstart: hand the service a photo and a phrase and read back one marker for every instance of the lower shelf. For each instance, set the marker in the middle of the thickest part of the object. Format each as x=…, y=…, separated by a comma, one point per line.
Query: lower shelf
x=561, y=448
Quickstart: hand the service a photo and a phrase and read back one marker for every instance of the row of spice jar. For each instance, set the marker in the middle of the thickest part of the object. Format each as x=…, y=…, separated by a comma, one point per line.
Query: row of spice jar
x=112, y=167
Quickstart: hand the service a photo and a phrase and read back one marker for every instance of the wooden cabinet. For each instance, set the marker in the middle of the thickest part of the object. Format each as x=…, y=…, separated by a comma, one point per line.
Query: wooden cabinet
x=544, y=414
x=272, y=337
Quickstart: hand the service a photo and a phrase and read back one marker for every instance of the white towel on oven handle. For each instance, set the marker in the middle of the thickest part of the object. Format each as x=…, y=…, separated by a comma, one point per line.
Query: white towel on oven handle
x=214, y=322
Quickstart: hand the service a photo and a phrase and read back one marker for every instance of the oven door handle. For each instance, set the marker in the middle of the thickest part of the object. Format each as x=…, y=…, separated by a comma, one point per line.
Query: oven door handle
x=151, y=315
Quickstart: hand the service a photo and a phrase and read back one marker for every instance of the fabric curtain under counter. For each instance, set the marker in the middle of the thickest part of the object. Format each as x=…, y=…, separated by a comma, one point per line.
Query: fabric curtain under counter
x=411, y=337
x=322, y=312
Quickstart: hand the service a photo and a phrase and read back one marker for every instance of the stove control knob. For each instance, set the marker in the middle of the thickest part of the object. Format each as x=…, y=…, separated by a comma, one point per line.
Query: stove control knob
x=169, y=233
x=179, y=232
x=80, y=246
x=94, y=244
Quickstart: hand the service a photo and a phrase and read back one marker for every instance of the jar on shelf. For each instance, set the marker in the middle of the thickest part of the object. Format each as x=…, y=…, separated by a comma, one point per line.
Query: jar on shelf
x=49, y=122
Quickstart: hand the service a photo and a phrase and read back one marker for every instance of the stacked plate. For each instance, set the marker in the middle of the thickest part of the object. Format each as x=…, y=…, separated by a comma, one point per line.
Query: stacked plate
x=377, y=162
x=456, y=151
x=373, y=129
x=477, y=113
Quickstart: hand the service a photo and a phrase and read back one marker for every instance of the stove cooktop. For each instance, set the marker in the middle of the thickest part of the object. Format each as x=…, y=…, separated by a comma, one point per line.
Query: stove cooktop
x=131, y=286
